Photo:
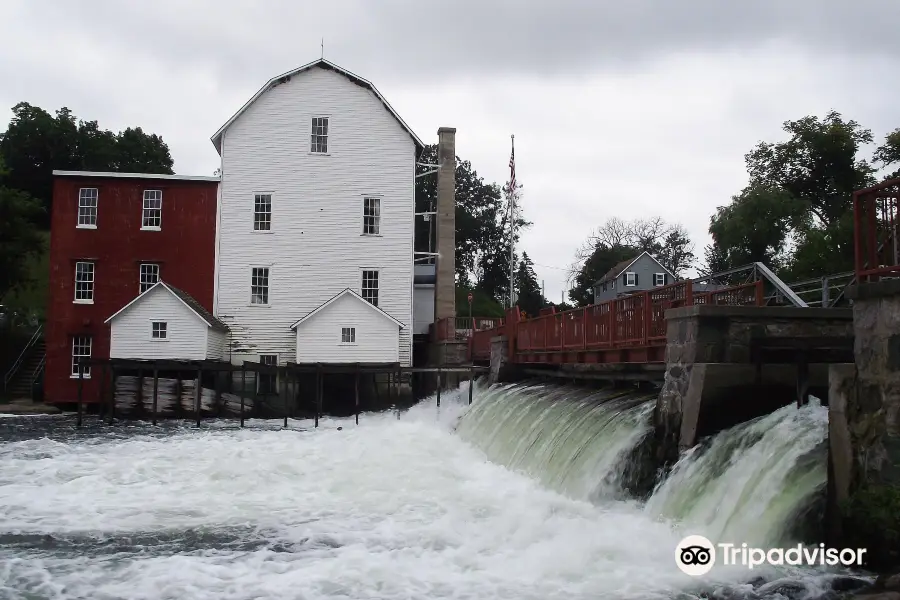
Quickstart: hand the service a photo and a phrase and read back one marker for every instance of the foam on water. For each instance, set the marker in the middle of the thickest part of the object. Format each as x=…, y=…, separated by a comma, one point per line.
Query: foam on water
x=392, y=508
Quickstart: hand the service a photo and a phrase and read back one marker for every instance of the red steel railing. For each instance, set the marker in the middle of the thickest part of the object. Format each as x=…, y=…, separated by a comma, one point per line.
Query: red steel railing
x=875, y=231
x=633, y=321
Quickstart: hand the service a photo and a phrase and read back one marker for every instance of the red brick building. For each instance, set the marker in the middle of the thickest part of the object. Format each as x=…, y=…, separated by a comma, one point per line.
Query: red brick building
x=113, y=235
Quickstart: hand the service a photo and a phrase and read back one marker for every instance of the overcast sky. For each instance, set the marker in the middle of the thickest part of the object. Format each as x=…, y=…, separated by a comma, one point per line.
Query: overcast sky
x=629, y=108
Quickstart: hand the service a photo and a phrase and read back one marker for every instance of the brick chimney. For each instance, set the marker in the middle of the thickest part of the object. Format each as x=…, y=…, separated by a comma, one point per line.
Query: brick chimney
x=445, y=286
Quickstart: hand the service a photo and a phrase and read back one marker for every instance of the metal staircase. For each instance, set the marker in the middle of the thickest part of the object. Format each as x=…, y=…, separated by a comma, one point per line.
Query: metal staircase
x=28, y=368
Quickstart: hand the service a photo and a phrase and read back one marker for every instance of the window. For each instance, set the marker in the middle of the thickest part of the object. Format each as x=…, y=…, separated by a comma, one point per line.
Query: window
x=159, y=330
x=268, y=382
x=262, y=212
x=348, y=335
x=259, y=285
x=370, y=286
x=318, y=140
x=81, y=348
x=152, y=215
x=149, y=276
x=84, y=282
x=371, y=216
x=87, y=208
x=631, y=279
x=659, y=279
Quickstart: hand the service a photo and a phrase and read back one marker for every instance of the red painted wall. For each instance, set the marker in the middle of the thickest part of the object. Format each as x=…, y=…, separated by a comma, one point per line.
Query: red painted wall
x=184, y=249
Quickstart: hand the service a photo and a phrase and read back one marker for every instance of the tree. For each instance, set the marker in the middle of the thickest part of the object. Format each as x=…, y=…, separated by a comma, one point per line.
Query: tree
x=888, y=154
x=482, y=227
x=617, y=240
x=19, y=237
x=796, y=213
x=530, y=298
x=36, y=143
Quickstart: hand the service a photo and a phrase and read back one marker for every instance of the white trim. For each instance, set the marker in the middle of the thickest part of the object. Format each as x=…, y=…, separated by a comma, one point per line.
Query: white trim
x=663, y=280
x=268, y=301
x=352, y=342
x=362, y=219
x=145, y=294
x=165, y=328
x=651, y=258
x=327, y=136
x=633, y=279
x=216, y=138
x=253, y=228
x=340, y=295
x=134, y=175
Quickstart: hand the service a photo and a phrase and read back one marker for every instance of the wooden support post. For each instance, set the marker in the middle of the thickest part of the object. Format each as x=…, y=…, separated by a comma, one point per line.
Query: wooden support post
x=318, y=392
x=112, y=394
x=197, y=395
x=439, y=385
x=218, y=400
x=155, y=394
x=139, y=404
x=390, y=386
x=282, y=391
x=100, y=393
x=356, y=391
x=397, y=383
x=802, y=380
x=80, y=392
x=243, y=389
x=471, y=383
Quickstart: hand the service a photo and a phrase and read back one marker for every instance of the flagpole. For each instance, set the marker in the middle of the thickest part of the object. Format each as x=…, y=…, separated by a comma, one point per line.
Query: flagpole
x=512, y=219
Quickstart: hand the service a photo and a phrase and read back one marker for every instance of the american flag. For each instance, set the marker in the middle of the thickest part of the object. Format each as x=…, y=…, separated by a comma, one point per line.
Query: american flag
x=512, y=168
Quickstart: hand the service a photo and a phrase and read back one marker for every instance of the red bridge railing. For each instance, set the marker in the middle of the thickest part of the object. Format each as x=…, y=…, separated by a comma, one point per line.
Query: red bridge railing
x=632, y=322
x=875, y=230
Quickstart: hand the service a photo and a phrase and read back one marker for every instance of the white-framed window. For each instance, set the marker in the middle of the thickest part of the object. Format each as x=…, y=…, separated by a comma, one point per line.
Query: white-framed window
x=268, y=382
x=151, y=217
x=84, y=282
x=318, y=139
x=631, y=279
x=259, y=285
x=348, y=335
x=159, y=330
x=87, y=208
x=262, y=212
x=659, y=279
x=81, y=348
x=371, y=216
x=149, y=276
x=369, y=288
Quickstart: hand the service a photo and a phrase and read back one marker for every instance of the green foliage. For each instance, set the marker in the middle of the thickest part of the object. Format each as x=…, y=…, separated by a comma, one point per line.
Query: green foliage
x=483, y=305
x=20, y=239
x=871, y=520
x=482, y=227
x=796, y=214
x=36, y=143
x=618, y=240
x=530, y=298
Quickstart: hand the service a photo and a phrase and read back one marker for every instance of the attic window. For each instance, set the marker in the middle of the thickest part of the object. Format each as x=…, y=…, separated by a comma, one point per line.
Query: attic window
x=318, y=139
x=659, y=279
x=159, y=330
x=631, y=279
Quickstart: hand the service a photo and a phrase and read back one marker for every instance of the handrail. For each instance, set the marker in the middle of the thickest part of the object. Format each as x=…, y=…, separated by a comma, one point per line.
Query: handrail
x=18, y=362
x=38, y=370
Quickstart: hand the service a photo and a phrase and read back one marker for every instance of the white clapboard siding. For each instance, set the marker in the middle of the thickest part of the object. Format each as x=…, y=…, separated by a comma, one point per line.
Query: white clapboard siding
x=216, y=344
x=319, y=337
x=186, y=332
x=315, y=248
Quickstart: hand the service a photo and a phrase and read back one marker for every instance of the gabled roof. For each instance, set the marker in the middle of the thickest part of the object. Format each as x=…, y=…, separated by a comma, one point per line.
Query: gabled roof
x=626, y=264
x=188, y=300
x=346, y=292
x=323, y=64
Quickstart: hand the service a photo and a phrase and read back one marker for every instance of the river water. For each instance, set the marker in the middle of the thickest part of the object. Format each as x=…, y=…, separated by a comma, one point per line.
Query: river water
x=518, y=497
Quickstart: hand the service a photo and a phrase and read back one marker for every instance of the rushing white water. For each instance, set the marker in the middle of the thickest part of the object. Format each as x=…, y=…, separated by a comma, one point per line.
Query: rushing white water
x=392, y=508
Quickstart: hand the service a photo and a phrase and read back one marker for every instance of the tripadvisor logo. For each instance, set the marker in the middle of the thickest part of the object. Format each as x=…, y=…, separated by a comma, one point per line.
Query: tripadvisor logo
x=695, y=555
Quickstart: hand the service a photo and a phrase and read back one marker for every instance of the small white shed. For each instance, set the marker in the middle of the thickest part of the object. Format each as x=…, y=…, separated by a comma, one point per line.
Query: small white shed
x=166, y=323
x=348, y=329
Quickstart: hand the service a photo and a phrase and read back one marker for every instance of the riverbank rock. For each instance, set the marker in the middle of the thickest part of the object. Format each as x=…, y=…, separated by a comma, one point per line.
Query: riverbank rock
x=886, y=587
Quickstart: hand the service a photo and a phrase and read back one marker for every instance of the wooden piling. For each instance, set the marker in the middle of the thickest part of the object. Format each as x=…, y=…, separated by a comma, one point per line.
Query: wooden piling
x=283, y=393
x=80, y=415
x=112, y=394
x=243, y=390
x=197, y=396
x=155, y=394
x=471, y=383
x=439, y=387
x=100, y=393
x=318, y=393
x=356, y=391
x=139, y=404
